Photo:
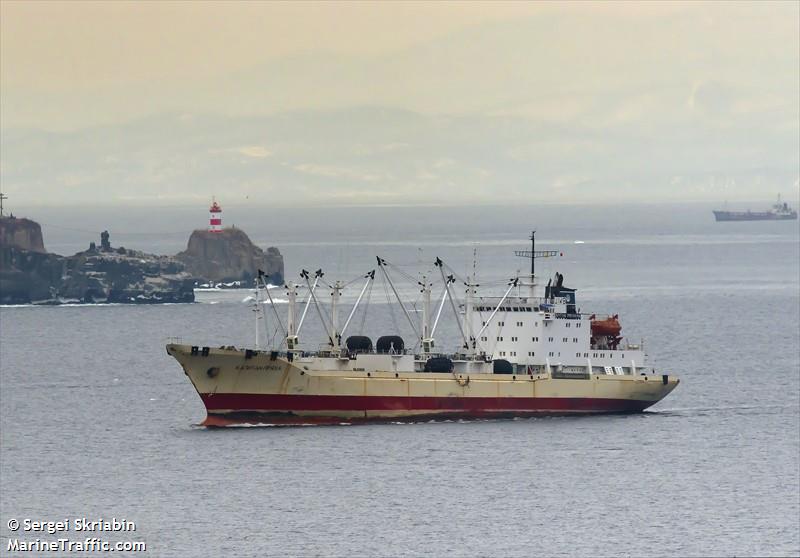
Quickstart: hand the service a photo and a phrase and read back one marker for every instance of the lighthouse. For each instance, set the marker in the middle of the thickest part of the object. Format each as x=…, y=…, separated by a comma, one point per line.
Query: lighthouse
x=215, y=217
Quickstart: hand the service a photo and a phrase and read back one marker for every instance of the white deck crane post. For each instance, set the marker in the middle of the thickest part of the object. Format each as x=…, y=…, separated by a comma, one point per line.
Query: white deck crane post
x=257, y=314
x=469, y=301
x=292, y=340
x=426, y=333
x=336, y=294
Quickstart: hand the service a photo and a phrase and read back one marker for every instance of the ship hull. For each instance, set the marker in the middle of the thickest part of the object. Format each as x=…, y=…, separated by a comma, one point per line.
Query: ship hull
x=753, y=216
x=241, y=388
x=223, y=410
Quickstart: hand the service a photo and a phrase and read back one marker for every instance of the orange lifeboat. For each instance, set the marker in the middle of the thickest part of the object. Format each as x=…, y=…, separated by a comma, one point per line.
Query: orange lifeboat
x=609, y=327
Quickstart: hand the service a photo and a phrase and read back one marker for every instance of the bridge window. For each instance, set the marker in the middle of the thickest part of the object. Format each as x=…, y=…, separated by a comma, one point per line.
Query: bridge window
x=549, y=338
x=535, y=339
x=499, y=338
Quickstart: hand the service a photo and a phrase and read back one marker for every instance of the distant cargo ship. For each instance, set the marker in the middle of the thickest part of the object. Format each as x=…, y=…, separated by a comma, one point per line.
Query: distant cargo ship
x=780, y=212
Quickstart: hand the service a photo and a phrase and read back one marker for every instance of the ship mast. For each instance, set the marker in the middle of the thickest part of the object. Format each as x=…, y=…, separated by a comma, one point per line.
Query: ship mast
x=425, y=337
x=469, y=299
x=532, y=254
x=336, y=294
x=292, y=339
x=257, y=314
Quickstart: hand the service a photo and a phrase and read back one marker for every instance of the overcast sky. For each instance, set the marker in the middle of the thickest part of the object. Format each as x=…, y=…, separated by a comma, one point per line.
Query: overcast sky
x=155, y=102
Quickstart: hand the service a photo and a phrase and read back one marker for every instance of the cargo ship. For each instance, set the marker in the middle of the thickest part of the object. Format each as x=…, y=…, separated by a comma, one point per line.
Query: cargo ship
x=529, y=352
x=780, y=212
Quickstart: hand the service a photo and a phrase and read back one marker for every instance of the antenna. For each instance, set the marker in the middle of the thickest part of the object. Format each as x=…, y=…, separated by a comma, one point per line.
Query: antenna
x=2, y=197
x=532, y=254
x=474, y=262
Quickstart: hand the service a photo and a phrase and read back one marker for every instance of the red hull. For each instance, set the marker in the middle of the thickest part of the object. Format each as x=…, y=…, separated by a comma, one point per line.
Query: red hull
x=234, y=408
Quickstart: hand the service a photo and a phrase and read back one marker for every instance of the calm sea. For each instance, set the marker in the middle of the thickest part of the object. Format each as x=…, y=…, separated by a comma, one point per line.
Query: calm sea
x=96, y=421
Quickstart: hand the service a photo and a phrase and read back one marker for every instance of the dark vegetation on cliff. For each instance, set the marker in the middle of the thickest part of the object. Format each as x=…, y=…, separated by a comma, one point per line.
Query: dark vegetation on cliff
x=108, y=274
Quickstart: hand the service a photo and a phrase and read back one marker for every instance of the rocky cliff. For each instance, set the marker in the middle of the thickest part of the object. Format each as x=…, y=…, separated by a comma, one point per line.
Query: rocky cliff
x=229, y=255
x=26, y=276
x=23, y=234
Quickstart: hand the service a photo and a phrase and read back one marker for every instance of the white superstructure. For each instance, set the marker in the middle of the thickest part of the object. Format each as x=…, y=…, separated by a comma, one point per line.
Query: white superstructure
x=544, y=334
x=528, y=330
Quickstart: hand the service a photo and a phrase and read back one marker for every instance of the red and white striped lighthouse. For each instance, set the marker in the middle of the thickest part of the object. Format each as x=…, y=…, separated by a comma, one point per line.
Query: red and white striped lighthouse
x=215, y=217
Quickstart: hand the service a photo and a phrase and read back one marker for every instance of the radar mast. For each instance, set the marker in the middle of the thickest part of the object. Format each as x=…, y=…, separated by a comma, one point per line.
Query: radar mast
x=532, y=254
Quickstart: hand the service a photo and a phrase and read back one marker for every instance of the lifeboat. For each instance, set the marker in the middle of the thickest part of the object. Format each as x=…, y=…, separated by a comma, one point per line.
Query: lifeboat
x=609, y=327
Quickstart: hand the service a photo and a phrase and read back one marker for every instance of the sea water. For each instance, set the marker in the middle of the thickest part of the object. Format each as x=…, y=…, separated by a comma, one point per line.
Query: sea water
x=96, y=421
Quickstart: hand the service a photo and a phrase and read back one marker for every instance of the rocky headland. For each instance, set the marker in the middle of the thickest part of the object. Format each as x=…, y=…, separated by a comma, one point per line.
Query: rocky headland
x=230, y=255
x=29, y=274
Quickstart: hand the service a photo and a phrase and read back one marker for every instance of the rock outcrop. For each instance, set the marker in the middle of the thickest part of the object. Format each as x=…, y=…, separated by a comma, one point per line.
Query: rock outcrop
x=95, y=275
x=125, y=276
x=26, y=276
x=23, y=234
x=229, y=255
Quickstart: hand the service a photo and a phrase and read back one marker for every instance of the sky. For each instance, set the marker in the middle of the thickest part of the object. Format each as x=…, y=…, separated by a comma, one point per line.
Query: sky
x=398, y=103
